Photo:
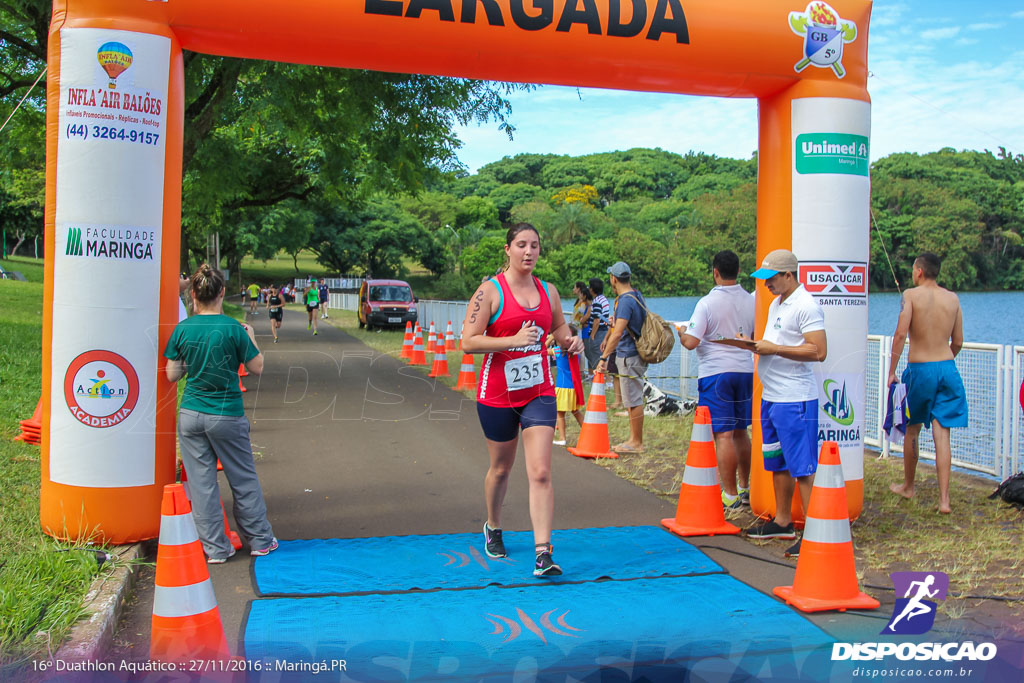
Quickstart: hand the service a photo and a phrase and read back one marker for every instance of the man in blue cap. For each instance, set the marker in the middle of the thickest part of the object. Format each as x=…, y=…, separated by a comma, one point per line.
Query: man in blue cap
x=628, y=321
x=793, y=339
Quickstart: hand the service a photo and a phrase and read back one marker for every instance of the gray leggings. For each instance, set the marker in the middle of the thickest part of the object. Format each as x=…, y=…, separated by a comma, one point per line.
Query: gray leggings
x=204, y=439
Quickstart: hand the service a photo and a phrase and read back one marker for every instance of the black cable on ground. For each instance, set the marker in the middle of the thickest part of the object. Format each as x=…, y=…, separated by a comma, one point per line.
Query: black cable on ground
x=999, y=598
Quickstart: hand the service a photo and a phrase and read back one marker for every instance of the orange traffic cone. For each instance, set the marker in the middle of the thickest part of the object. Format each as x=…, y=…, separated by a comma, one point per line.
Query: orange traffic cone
x=407, y=343
x=419, y=357
x=826, y=577
x=242, y=372
x=467, y=373
x=32, y=428
x=462, y=331
x=449, y=339
x=440, y=366
x=431, y=339
x=593, y=441
x=236, y=540
x=186, y=620
x=699, y=511
x=241, y=387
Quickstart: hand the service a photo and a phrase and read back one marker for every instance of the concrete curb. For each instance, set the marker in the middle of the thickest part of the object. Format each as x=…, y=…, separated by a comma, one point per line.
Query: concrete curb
x=92, y=638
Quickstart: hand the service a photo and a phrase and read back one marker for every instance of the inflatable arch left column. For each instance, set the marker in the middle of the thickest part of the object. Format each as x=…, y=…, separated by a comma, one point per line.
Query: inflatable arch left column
x=115, y=118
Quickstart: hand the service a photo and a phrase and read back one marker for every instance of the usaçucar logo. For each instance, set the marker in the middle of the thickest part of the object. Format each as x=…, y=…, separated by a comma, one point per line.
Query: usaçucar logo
x=101, y=388
x=825, y=33
x=835, y=278
x=914, y=613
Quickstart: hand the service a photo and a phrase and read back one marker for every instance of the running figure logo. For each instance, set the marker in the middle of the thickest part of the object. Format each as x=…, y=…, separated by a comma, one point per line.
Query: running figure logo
x=914, y=614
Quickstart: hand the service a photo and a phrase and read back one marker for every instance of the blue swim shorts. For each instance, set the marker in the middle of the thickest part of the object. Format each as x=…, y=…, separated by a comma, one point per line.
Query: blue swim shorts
x=728, y=397
x=935, y=392
x=789, y=435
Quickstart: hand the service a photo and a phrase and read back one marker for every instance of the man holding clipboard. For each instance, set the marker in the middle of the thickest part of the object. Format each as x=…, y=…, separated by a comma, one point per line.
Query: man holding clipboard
x=725, y=380
x=793, y=339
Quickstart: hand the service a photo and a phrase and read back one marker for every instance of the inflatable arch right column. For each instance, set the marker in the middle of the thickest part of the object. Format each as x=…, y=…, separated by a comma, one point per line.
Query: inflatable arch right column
x=813, y=198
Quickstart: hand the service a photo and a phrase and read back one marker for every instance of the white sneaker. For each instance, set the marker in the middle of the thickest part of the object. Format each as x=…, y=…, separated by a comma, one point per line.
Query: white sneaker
x=558, y=442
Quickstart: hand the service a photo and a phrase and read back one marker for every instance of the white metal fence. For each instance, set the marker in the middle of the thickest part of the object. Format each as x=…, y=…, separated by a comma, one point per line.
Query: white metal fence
x=993, y=441
x=332, y=282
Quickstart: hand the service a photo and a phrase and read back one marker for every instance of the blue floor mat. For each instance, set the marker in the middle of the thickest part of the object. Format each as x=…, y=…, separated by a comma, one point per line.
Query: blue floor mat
x=400, y=563
x=650, y=629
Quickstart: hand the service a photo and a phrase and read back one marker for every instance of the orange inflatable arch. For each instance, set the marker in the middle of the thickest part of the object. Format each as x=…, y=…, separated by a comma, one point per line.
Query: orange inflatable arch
x=115, y=114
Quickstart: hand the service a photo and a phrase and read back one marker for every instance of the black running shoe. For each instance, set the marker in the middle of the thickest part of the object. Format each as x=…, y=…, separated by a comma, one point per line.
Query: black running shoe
x=493, y=545
x=794, y=550
x=770, y=529
x=545, y=566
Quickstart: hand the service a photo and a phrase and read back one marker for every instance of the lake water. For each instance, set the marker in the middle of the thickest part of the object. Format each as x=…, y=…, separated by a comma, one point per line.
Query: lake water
x=989, y=317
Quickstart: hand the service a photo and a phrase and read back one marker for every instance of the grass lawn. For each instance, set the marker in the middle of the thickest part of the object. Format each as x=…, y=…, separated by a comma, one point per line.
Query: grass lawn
x=279, y=270
x=42, y=581
x=978, y=545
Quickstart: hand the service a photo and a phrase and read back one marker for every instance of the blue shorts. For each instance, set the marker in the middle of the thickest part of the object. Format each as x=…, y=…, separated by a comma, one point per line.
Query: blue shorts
x=789, y=436
x=935, y=392
x=503, y=424
x=728, y=397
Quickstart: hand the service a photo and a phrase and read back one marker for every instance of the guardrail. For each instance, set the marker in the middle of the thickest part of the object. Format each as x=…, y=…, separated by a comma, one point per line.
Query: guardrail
x=993, y=441
x=332, y=282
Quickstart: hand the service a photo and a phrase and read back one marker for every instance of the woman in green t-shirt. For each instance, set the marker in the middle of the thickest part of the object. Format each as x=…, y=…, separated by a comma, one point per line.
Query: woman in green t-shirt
x=208, y=347
x=312, y=298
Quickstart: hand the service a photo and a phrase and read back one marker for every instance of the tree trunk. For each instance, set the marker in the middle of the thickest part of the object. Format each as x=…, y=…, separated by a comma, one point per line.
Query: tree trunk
x=14, y=250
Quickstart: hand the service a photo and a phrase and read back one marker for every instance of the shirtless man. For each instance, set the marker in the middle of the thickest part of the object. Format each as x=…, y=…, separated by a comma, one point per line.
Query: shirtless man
x=935, y=392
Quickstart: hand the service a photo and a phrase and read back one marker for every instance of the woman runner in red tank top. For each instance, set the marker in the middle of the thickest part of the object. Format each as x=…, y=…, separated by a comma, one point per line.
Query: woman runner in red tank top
x=508, y=319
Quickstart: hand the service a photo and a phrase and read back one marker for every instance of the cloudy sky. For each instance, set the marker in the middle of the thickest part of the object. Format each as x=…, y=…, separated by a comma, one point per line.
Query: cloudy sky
x=944, y=73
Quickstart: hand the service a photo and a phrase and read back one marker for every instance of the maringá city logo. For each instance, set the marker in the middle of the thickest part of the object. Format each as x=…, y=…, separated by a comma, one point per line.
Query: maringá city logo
x=914, y=613
x=825, y=33
x=837, y=406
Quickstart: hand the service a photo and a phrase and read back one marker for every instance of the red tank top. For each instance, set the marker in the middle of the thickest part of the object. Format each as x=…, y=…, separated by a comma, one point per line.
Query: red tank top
x=513, y=378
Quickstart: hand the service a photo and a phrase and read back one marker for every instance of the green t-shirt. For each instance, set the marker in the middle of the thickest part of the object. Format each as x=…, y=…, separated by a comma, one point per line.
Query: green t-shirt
x=312, y=297
x=254, y=291
x=212, y=347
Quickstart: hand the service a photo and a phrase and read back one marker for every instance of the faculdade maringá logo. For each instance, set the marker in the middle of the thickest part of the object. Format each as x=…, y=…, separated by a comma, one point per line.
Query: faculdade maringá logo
x=837, y=405
x=74, y=242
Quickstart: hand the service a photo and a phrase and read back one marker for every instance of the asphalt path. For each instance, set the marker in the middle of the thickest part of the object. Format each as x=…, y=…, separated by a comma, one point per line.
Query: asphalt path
x=352, y=443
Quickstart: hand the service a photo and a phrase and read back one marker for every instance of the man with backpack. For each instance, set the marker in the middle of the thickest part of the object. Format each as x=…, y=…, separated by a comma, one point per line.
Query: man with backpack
x=627, y=323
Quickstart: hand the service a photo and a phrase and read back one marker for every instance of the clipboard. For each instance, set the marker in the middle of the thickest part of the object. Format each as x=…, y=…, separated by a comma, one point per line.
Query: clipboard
x=747, y=344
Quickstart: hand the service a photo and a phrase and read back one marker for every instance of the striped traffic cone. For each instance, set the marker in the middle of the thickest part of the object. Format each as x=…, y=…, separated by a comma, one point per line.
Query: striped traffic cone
x=32, y=428
x=462, y=332
x=449, y=339
x=186, y=620
x=440, y=366
x=467, y=373
x=826, y=576
x=593, y=441
x=242, y=372
x=406, y=353
x=699, y=511
x=418, y=355
x=431, y=339
x=236, y=540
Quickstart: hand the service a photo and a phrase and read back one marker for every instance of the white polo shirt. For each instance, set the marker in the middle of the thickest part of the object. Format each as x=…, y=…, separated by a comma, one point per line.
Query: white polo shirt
x=725, y=312
x=785, y=380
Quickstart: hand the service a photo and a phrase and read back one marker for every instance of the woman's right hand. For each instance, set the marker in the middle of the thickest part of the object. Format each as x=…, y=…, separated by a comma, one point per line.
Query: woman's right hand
x=528, y=335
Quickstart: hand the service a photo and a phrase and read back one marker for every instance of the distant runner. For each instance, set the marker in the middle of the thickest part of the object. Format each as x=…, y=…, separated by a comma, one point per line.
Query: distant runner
x=312, y=304
x=275, y=306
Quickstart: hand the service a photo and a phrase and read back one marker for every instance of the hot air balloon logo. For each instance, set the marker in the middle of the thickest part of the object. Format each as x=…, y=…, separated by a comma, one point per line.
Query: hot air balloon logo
x=114, y=58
